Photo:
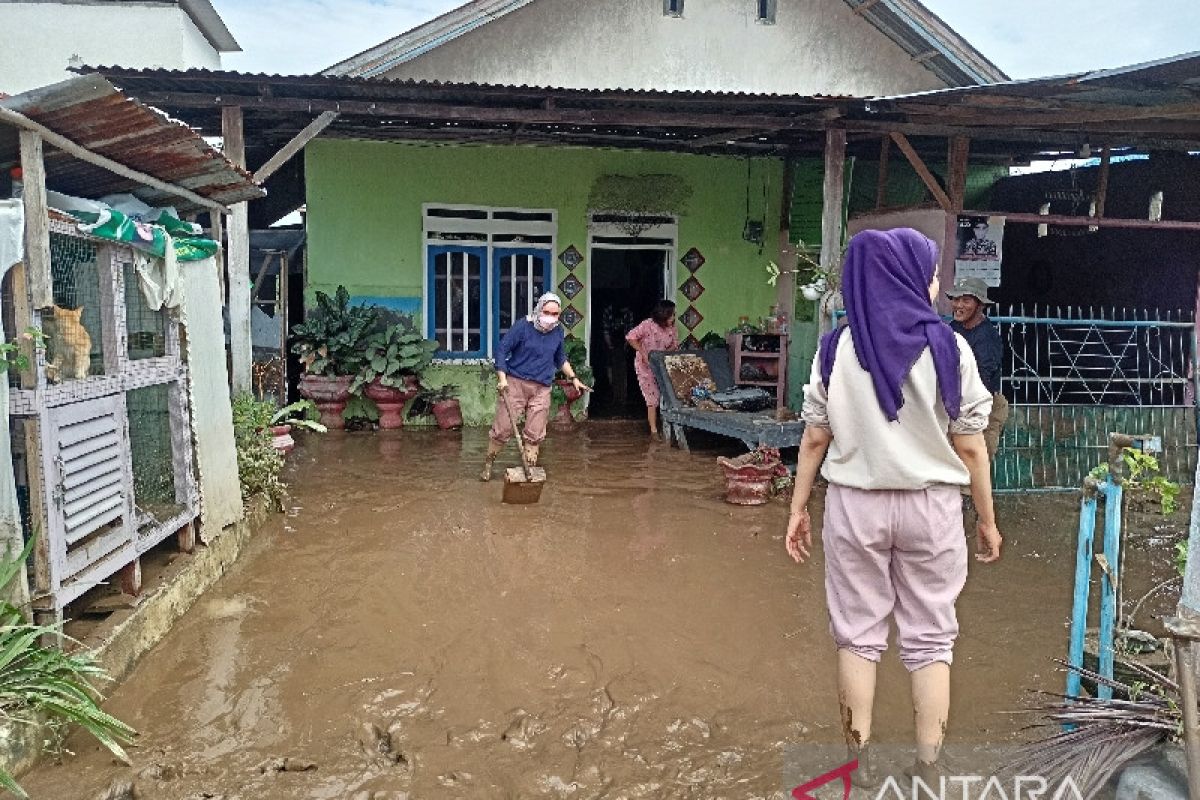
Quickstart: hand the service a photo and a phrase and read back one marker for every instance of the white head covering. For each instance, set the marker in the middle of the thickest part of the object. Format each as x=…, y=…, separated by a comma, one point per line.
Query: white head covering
x=548, y=297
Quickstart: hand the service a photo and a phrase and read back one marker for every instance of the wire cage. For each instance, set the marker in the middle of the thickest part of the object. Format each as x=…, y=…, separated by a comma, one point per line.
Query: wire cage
x=74, y=344
x=159, y=495
x=146, y=328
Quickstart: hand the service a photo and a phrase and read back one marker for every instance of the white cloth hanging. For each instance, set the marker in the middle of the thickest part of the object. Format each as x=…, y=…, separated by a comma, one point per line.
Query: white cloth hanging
x=12, y=233
x=159, y=278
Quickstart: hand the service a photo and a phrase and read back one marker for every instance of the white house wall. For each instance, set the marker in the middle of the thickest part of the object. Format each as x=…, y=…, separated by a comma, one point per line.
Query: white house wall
x=38, y=40
x=815, y=47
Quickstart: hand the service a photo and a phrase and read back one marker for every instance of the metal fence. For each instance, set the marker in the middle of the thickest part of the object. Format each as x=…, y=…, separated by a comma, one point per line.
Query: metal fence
x=1074, y=374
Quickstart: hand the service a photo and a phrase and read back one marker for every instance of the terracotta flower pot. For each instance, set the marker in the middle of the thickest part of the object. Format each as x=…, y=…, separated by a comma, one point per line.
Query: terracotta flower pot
x=391, y=401
x=747, y=479
x=330, y=393
x=448, y=414
x=281, y=439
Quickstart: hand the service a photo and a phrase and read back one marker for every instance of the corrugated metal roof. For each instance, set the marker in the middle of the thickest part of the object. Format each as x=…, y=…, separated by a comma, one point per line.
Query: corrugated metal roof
x=91, y=112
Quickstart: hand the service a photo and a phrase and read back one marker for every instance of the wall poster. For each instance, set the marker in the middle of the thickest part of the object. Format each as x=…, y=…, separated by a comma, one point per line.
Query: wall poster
x=978, y=255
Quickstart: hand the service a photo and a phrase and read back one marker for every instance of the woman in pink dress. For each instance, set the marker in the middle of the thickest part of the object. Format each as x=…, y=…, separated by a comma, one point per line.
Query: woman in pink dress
x=654, y=333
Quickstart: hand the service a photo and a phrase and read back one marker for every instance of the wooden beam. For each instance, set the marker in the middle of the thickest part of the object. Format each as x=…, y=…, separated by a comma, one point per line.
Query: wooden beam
x=833, y=197
x=83, y=154
x=1107, y=222
x=921, y=58
x=923, y=171
x=1102, y=181
x=310, y=132
x=865, y=6
x=722, y=138
x=37, y=221
x=241, y=350
x=957, y=159
x=805, y=119
x=217, y=232
x=881, y=186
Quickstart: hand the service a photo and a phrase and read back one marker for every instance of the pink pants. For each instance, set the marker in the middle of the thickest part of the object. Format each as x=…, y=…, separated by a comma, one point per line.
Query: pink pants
x=528, y=398
x=900, y=553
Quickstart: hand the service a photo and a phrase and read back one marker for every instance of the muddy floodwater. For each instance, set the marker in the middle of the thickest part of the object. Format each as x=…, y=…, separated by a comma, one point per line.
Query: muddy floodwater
x=399, y=631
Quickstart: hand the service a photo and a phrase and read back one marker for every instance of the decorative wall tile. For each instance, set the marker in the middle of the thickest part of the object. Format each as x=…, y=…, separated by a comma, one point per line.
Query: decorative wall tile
x=691, y=343
x=570, y=258
x=692, y=259
x=692, y=288
x=570, y=286
x=571, y=317
x=691, y=318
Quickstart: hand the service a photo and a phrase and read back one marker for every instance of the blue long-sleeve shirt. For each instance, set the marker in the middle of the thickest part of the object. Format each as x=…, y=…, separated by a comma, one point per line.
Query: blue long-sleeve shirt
x=527, y=353
x=985, y=342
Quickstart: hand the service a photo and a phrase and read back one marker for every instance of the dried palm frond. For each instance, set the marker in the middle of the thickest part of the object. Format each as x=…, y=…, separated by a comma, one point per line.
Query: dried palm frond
x=1104, y=735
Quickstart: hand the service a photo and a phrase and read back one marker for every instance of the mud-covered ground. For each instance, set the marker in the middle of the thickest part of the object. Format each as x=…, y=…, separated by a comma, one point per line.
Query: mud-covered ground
x=631, y=636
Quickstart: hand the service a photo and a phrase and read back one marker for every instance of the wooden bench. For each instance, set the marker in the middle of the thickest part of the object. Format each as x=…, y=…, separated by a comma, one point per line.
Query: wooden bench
x=753, y=428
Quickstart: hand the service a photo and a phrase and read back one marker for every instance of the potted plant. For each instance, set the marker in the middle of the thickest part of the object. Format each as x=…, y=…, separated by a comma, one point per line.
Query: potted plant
x=393, y=360
x=442, y=403
x=750, y=480
x=299, y=414
x=564, y=395
x=330, y=343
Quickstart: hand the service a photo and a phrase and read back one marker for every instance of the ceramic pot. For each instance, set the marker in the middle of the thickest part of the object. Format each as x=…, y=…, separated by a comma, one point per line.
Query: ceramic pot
x=330, y=393
x=281, y=439
x=391, y=401
x=747, y=481
x=448, y=414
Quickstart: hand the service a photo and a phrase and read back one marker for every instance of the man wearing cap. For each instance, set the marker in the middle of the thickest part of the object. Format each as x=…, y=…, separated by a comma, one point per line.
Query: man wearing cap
x=967, y=299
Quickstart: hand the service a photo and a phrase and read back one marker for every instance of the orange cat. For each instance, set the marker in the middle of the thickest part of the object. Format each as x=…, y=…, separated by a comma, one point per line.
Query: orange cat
x=70, y=344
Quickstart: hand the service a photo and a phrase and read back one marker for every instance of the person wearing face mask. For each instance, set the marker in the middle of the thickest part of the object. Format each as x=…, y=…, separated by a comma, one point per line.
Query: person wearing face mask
x=529, y=355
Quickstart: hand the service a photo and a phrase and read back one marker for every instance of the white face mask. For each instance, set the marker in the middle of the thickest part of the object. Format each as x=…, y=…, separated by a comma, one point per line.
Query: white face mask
x=547, y=322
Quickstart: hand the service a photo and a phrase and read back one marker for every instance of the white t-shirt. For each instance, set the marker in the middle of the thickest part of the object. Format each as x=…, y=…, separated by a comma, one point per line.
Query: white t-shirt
x=914, y=451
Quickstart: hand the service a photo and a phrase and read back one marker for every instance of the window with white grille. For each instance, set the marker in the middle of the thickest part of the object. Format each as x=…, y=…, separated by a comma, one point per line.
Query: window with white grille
x=485, y=269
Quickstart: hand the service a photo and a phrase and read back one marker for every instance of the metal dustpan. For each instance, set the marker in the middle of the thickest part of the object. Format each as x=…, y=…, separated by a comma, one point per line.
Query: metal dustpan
x=523, y=484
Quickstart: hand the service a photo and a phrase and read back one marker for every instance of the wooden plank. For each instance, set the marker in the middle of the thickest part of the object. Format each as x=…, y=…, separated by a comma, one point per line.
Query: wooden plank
x=833, y=198
x=881, y=186
x=24, y=320
x=1107, y=222
x=28, y=126
x=865, y=6
x=723, y=137
x=923, y=171
x=281, y=311
x=957, y=159
x=37, y=221
x=241, y=351
x=297, y=143
x=217, y=231
x=1102, y=181
x=113, y=323
x=43, y=572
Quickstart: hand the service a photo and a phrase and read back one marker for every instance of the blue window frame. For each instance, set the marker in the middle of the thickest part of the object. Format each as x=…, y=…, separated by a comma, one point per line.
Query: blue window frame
x=519, y=276
x=457, y=312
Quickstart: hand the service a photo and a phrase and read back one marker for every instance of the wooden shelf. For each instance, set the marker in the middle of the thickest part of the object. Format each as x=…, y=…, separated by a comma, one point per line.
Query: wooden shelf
x=773, y=361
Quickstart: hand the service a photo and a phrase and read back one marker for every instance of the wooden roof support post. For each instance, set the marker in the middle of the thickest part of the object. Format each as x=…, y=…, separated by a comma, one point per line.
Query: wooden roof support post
x=881, y=187
x=785, y=287
x=833, y=203
x=927, y=178
x=237, y=256
x=1102, y=182
x=957, y=158
x=310, y=132
x=37, y=220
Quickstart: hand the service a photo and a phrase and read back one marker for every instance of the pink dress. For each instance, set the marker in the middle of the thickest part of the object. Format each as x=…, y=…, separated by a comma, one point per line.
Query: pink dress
x=650, y=336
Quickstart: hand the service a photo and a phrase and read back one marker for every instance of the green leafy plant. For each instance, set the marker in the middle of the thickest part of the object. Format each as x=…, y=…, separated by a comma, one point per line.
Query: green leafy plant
x=15, y=354
x=422, y=404
x=1142, y=472
x=300, y=414
x=811, y=278
x=640, y=195
x=577, y=354
x=332, y=338
x=713, y=341
x=1181, y=557
x=360, y=410
x=259, y=463
x=393, y=354
x=37, y=681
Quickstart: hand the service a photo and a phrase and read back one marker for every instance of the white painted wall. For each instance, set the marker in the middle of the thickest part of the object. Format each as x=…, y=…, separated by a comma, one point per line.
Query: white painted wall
x=815, y=47
x=37, y=40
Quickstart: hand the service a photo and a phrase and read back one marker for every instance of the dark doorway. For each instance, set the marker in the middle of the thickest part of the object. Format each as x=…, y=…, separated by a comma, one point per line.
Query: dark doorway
x=625, y=286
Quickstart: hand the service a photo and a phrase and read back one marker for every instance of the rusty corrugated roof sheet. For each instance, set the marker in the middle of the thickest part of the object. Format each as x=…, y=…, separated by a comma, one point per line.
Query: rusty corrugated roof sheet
x=93, y=113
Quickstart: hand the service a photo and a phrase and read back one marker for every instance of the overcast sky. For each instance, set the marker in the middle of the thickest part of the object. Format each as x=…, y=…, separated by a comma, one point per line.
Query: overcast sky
x=1025, y=38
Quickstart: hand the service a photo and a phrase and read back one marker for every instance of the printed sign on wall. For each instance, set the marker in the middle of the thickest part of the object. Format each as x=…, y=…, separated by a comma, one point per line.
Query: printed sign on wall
x=979, y=250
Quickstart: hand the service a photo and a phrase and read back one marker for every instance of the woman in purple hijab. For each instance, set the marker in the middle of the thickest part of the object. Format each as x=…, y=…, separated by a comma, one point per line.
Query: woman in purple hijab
x=895, y=413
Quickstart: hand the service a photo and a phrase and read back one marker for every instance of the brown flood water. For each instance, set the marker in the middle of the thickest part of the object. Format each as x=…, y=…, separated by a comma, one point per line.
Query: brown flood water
x=631, y=636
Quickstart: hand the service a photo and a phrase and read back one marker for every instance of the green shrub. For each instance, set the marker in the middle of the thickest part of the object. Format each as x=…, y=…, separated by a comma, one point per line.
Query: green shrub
x=259, y=463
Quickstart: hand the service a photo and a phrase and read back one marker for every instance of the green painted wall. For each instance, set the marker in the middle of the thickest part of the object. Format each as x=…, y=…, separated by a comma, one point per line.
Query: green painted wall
x=364, y=212
x=364, y=220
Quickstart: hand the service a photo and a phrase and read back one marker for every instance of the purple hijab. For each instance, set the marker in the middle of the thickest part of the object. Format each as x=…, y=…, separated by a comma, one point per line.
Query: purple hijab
x=885, y=284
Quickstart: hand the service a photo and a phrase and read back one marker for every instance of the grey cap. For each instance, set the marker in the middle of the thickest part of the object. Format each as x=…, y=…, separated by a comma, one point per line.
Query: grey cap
x=972, y=286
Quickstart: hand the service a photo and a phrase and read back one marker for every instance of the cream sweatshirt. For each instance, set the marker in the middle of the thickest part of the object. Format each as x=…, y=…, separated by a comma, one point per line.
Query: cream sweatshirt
x=914, y=452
